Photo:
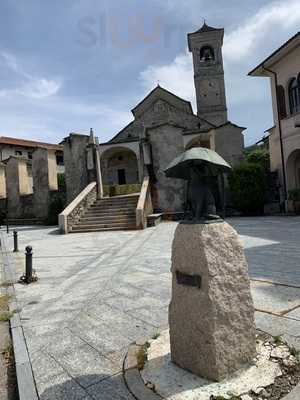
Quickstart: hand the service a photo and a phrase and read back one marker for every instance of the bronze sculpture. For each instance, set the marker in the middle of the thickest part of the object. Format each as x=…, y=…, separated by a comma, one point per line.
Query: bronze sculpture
x=200, y=166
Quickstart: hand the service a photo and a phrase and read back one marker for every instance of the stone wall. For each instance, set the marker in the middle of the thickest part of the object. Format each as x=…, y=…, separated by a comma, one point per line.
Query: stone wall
x=229, y=143
x=168, y=195
x=24, y=210
x=75, y=157
x=44, y=179
x=160, y=112
x=27, y=206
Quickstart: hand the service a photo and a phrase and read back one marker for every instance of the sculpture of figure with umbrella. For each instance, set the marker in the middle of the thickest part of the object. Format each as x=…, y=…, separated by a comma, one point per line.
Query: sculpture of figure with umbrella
x=200, y=166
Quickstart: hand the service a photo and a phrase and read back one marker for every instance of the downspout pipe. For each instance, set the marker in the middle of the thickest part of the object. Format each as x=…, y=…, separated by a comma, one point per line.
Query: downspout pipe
x=280, y=137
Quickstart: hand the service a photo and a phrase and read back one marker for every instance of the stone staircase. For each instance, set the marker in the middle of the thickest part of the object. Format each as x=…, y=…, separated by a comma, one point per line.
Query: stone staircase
x=109, y=214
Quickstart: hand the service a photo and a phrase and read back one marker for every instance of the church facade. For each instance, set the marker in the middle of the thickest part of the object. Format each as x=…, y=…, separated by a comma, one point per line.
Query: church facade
x=164, y=125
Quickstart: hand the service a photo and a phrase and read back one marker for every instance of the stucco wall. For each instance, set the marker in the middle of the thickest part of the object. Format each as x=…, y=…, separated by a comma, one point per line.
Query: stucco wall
x=17, y=187
x=286, y=68
x=2, y=182
x=7, y=151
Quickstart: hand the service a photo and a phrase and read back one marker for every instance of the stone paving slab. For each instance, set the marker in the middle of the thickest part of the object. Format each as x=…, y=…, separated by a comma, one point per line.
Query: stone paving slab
x=277, y=326
x=110, y=389
x=294, y=314
x=277, y=299
x=98, y=292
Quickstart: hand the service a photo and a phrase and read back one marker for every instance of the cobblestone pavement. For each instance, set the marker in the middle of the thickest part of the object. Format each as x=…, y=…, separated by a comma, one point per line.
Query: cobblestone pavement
x=98, y=292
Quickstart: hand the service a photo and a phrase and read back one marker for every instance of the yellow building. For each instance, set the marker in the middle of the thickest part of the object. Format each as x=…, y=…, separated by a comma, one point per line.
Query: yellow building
x=283, y=69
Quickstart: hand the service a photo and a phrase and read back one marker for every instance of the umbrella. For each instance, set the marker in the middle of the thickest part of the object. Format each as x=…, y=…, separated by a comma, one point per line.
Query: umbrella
x=180, y=167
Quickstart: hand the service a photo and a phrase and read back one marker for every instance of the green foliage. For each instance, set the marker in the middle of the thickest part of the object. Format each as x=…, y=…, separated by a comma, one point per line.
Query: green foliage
x=247, y=185
x=61, y=181
x=294, y=352
x=294, y=194
x=155, y=335
x=119, y=190
x=4, y=301
x=57, y=205
x=278, y=340
x=142, y=356
x=259, y=156
x=6, y=316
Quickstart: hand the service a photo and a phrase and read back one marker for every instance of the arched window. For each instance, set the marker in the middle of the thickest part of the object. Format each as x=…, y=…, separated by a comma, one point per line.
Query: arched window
x=207, y=53
x=281, y=101
x=294, y=96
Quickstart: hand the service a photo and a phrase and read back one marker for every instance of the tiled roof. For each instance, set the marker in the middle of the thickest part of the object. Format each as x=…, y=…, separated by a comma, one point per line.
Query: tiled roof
x=28, y=143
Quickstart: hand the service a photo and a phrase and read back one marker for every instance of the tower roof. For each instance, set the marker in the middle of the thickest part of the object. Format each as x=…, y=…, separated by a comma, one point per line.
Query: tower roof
x=206, y=28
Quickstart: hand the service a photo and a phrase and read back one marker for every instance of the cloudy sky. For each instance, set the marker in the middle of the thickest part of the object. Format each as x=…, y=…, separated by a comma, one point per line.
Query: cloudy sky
x=68, y=65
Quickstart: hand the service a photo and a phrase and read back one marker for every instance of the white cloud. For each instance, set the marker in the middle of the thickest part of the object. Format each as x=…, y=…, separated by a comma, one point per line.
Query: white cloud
x=276, y=16
x=176, y=77
x=12, y=63
x=57, y=115
x=243, y=47
x=29, y=86
x=39, y=88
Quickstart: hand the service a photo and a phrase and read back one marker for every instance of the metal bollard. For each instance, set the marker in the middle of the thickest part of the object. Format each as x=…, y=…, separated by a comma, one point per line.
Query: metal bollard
x=28, y=271
x=16, y=249
x=7, y=226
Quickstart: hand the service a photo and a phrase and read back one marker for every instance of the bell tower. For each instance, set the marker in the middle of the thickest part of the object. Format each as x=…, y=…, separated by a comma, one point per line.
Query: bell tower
x=206, y=47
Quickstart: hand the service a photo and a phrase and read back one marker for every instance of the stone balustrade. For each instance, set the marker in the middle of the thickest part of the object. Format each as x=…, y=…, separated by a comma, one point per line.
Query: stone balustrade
x=144, y=206
x=77, y=207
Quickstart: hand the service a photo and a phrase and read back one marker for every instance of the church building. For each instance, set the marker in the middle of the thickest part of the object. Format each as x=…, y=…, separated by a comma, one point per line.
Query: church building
x=165, y=125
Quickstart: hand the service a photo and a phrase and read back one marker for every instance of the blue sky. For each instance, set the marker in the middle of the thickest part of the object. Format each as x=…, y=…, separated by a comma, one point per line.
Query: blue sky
x=68, y=65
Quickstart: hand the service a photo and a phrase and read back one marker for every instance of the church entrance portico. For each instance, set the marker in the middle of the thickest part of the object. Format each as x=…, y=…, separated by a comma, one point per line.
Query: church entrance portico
x=119, y=166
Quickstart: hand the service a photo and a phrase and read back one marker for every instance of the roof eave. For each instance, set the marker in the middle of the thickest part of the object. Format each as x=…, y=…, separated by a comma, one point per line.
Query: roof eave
x=259, y=70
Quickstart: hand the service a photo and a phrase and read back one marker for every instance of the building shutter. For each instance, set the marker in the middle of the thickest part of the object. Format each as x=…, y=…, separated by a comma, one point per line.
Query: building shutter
x=281, y=102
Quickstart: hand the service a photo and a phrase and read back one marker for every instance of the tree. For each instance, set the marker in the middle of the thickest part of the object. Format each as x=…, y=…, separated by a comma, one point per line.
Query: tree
x=259, y=155
x=248, y=184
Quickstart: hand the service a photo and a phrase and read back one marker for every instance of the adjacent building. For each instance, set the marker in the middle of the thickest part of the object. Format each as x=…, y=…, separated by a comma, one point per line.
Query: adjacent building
x=10, y=146
x=23, y=149
x=282, y=67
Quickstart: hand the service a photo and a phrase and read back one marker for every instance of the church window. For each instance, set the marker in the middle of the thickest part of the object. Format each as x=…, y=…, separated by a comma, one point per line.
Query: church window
x=281, y=101
x=207, y=54
x=294, y=96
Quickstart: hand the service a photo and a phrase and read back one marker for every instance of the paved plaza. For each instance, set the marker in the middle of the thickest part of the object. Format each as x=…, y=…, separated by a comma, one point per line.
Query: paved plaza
x=99, y=292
